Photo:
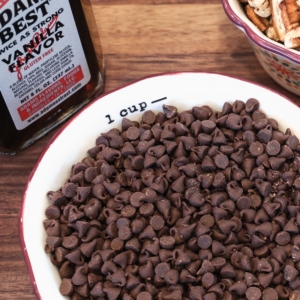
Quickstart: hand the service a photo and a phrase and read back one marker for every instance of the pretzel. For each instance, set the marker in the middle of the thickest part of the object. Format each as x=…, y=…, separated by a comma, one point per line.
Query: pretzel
x=280, y=18
x=292, y=11
x=262, y=4
x=292, y=38
x=256, y=19
x=271, y=33
x=261, y=7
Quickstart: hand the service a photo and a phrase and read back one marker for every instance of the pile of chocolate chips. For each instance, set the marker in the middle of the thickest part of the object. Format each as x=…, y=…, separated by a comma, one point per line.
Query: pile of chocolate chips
x=192, y=205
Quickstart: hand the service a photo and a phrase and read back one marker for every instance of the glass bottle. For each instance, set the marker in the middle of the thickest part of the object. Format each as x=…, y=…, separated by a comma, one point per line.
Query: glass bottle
x=51, y=65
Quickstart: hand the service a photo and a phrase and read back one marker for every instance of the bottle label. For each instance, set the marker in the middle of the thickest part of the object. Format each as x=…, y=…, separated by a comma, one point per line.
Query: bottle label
x=42, y=61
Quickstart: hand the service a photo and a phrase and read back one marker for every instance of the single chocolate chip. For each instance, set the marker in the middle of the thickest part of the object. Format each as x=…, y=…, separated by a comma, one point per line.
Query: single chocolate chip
x=292, y=142
x=128, y=211
x=52, y=212
x=290, y=273
x=170, y=111
x=167, y=242
x=239, y=288
x=161, y=269
x=148, y=117
x=282, y=238
x=66, y=287
x=157, y=222
x=221, y=161
x=265, y=134
x=117, y=244
x=238, y=106
x=204, y=241
x=253, y=293
x=207, y=220
x=125, y=233
x=144, y=296
x=208, y=126
x=273, y=147
x=256, y=149
x=208, y=280
x=251, y=105
x=234, y=121
x=146, y=209
x=269, y=294
x=133, y=133
x=171, y=277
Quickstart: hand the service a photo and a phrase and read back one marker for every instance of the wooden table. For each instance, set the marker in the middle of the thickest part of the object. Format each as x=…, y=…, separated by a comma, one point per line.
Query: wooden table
x=139, y=38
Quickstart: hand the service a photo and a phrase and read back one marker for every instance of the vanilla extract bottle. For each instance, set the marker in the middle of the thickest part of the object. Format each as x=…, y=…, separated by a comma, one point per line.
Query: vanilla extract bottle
x=51, y=65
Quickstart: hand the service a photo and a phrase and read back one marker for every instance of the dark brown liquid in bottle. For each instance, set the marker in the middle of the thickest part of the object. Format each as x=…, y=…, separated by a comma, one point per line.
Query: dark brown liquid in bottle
x=13, y=140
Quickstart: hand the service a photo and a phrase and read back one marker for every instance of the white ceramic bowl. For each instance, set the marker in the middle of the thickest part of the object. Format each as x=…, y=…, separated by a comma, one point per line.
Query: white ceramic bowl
x=70, y=144
x=281, y=63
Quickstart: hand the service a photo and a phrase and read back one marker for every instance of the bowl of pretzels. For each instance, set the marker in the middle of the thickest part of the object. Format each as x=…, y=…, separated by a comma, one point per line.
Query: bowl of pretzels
x=273, y=29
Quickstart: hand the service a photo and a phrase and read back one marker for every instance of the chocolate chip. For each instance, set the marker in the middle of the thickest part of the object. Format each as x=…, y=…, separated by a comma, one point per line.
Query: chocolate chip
x=144, y=296
x=253, y=293
x=128, y=211
x=171, y=277
x=79, y=277
x=52, y=212
x=204, y=139
x=273, y=147
x=125, y=233
x=263, y=187
x=294, y=295
x=282, y=238
x=234, y=190
x=169, y=111
x=66, y=287
x=167, y=242
x=208, y=126
x=207, y=220
x=251, y=105
x=221, y=161
x=292, y=142
x=249, y=137
x=239, y=288
x=290, y=273
x=161, y=269
x=234, y=121
x=148, y=117
x=157, y=222
x=208, y=280
x=204, y=241
x=256, y=149
x=146, y=209
x=269, y=294
x=238, y=106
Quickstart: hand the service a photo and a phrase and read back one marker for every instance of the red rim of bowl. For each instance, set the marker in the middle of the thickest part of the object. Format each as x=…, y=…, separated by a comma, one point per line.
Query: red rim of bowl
x=262, y=42
x=52, y=140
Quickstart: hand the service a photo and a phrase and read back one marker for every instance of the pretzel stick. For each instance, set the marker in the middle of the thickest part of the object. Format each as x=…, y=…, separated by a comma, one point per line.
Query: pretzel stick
x=292, y=38
x=261, y=7
x=271, y=33
x=257, y=20
x=279, y=18
x=293, y=13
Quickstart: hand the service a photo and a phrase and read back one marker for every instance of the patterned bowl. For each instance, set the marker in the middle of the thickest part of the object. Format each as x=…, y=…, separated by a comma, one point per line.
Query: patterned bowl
x=282, y=64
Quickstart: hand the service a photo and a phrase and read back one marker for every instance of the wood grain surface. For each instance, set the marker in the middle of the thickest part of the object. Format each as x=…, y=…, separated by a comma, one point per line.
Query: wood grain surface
x=139, y=38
